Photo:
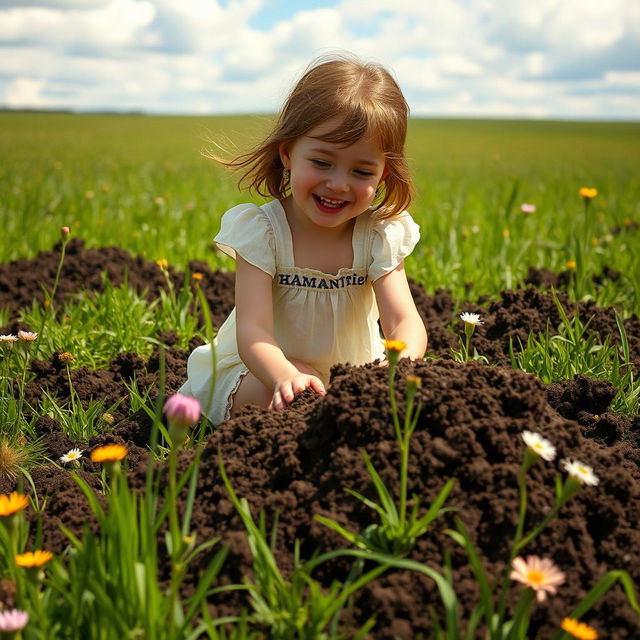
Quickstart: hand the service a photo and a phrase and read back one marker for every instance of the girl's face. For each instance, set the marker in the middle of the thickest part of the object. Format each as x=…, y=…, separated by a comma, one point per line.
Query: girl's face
x=330, y=183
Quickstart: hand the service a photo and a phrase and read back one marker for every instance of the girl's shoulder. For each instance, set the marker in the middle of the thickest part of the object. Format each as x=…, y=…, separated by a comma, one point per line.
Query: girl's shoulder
x=393, y=239
x=246, y=230
x=399, y=226
x=247, y=212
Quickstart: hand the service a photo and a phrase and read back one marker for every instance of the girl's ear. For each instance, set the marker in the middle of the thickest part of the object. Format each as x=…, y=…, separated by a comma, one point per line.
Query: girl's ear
x=283, y=150
x=386, y=171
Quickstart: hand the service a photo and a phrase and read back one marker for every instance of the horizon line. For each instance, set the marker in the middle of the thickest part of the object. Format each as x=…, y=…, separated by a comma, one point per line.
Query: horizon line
x=430, y=116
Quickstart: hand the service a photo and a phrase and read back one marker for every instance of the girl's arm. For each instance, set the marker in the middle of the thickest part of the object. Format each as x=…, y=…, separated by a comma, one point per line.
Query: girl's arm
x=399, y=317
x=256, y=344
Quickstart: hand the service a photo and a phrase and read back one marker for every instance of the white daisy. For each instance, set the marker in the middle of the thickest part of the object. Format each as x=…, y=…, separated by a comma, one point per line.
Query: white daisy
x=8, y=338
x=581, y=472
x=71, y=456
x=539, y=445
x=471, y=318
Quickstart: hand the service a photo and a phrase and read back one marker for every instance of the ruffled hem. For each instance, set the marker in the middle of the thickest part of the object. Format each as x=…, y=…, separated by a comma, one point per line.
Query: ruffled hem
x=229, y=404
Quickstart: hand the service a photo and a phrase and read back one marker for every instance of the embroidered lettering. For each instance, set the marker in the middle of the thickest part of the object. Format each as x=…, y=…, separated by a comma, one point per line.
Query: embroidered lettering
x=315, y=282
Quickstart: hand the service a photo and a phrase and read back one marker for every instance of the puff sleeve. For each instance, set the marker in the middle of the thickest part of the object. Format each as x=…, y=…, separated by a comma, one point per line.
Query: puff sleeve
x=246, y=230
x=393, y=240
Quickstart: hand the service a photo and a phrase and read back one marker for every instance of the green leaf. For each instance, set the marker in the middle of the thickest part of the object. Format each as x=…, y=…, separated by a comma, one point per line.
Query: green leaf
x=420, y=526
x=462, y=538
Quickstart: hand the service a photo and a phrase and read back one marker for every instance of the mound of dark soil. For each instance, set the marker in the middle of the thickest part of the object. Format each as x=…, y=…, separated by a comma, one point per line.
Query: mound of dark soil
x=299, y=462
x=23, y=282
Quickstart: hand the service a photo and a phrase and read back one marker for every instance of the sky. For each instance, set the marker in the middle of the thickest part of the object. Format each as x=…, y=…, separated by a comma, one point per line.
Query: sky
x=548, y=59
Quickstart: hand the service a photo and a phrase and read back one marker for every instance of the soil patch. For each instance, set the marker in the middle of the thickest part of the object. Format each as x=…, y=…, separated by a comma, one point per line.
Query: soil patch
x=298, y=462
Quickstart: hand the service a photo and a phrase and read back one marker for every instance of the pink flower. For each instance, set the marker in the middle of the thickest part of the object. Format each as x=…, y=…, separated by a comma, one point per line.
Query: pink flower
x=181, y=411
x=526, y=207
x=13, y=620
x=539, y=574
x=27, y=336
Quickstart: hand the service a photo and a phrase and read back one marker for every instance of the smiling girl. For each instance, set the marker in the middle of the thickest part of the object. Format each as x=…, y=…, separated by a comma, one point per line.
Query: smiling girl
x=319, y=264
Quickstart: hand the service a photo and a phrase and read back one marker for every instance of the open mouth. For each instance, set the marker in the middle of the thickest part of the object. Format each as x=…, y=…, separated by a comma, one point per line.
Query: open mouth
x=329, y=204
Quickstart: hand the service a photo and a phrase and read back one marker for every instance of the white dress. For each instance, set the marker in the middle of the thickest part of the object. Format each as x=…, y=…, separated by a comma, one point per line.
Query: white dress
x=319, y=318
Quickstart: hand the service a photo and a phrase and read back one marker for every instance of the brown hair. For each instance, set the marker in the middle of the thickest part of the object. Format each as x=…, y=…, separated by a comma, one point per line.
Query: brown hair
x=363, y=97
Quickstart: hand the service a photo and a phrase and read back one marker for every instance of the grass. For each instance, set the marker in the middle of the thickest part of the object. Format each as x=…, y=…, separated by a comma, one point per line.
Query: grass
x=96, y=328
x=142, y=183
x=574, y=350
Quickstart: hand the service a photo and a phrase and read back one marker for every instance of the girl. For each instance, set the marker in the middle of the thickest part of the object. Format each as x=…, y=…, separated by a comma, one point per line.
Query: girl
x=321, y=262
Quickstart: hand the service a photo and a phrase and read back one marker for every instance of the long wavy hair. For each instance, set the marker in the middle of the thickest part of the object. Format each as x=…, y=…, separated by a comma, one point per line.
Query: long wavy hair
x=363, y=98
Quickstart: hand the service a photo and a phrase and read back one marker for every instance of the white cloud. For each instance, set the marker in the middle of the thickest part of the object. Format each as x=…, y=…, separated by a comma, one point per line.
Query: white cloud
x=485, y=57
x=116, y=24
x=24, y=92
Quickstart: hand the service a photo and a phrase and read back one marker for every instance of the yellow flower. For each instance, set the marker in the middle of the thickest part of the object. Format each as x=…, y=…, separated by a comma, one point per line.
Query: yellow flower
x=588, y=192
x=109, y=453
x=162, y=263
x=572, y=264
x=196, y=275
x=414, y=381
x=506, y=233
x=395, y=345
x=65, y=356
x=579, y=630
x=12, y=503
x=108, y=418
x=32, y=559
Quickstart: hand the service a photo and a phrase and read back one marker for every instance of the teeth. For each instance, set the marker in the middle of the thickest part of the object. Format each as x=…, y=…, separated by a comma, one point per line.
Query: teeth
x=330, y=203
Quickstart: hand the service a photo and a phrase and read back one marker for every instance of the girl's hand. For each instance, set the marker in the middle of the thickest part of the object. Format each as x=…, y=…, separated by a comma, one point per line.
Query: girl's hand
x=286, y=390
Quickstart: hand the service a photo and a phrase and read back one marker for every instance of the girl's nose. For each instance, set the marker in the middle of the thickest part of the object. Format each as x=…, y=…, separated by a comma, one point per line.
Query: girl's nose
x=338, y=182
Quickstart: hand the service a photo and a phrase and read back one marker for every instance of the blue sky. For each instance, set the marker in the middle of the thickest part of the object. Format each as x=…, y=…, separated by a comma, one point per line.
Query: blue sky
x=575, y=59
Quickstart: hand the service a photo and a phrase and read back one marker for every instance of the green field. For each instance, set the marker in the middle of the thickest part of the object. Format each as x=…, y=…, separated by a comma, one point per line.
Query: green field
x=142, y=183
x=92, y=367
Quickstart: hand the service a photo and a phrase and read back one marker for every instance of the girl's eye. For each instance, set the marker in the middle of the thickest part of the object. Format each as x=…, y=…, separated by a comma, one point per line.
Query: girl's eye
x=319, y=163
x=364, y=173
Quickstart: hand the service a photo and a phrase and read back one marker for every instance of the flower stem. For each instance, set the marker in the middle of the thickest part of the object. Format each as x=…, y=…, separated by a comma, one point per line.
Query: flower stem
x=56, y=282
x=23, y=378
x=392, y=400
x=175, y=537
x=522, y=485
